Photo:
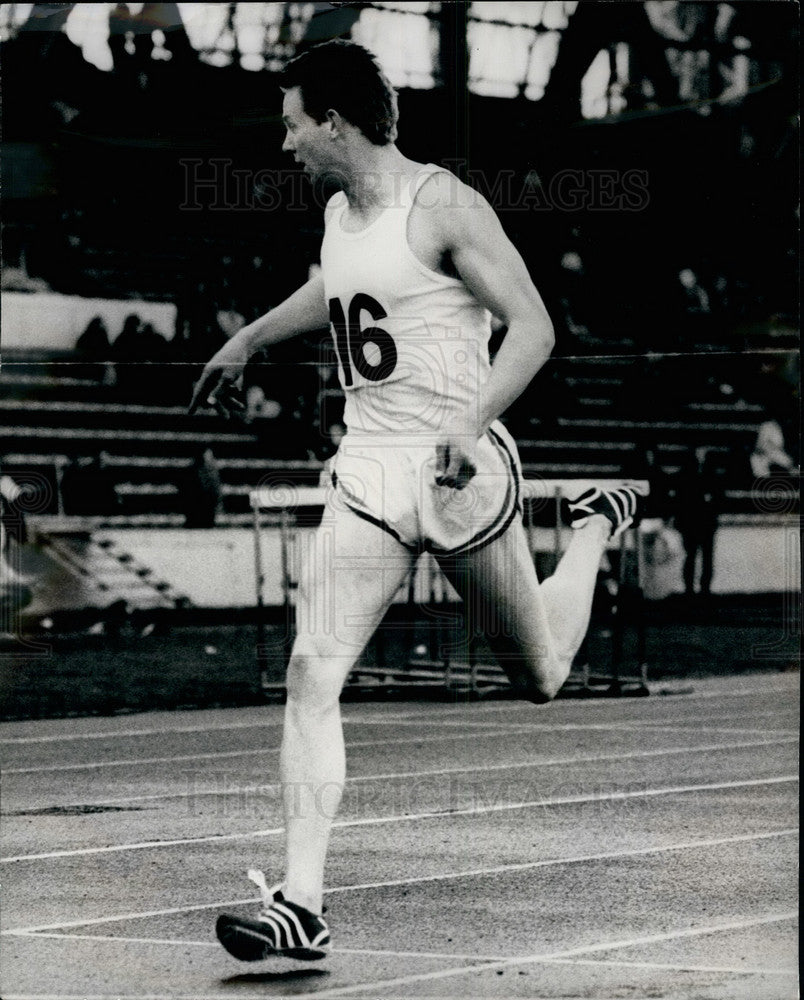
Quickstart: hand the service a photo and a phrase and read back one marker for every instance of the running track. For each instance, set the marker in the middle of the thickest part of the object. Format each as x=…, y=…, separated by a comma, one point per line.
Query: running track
x=596, y=849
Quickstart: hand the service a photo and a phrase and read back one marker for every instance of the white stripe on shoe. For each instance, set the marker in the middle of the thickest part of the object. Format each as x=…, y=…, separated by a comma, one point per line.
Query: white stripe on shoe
x=288, y=917
x=321, y=939
x=277, y=929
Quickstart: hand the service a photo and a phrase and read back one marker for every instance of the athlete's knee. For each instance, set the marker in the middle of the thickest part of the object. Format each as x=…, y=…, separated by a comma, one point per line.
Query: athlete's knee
x=542, y=691
x=544, y=680
x=310, y=686
x=537, y=690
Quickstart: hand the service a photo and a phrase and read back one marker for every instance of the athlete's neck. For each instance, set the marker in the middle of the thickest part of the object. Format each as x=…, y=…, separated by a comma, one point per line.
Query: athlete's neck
x=373, y=179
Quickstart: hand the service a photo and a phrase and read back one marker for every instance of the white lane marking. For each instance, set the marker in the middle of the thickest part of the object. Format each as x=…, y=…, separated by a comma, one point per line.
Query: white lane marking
x=416, y=954
x=685, y=720
x=406, y=818
x=739, y=970
x=91, y=766
x=53, y=936
x=741, y=692
x=117, y=734
x=765, y=730
x=453, y=956
x=402, y=720
x=423, y=879
x=511, y=728
x=479, y=769
x=120, y=939
x=564, y=705
x=382, y=986
x=410, y=717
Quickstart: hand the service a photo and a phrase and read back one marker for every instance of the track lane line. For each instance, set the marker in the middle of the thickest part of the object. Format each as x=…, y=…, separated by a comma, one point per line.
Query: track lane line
x=134, y=733
x=407, y=818
x=55, y=936
x=234, y=727
x=228, y=754
x=403, y=718
x=479, y=769
x=564, y=705
x=389, y=953
x=738, y=838
x=433, y=976
x=667, y=966
x=508, y=729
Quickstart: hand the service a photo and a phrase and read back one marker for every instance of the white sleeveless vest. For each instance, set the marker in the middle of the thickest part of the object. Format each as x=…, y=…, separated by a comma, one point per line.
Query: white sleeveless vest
x=412, y=344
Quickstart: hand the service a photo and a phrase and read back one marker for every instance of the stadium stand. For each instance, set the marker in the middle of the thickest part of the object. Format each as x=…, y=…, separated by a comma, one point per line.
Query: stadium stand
x=596, y=428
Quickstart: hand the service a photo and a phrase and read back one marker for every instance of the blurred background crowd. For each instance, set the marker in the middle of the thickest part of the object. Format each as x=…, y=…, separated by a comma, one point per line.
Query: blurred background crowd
x=642, y=156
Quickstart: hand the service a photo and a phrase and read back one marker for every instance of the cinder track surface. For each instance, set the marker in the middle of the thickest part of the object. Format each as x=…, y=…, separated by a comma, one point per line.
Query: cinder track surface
x=591, y=849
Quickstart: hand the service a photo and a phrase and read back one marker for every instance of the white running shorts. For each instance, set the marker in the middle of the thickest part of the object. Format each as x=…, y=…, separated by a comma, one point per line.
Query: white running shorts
x=390, y=482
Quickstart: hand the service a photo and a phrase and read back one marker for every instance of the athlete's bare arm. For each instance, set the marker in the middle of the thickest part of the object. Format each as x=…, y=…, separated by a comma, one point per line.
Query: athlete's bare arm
x=468, y=229
x=302, y=312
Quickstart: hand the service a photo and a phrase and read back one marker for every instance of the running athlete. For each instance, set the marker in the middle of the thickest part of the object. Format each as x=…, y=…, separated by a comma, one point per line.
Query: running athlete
x=414, y=264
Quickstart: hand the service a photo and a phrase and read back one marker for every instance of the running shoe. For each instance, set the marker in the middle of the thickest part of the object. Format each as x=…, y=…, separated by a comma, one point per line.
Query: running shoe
x=282, y=929
x=618, y=505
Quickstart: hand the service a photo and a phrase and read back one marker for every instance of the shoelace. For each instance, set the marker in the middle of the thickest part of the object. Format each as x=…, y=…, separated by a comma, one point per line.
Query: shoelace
x=268, y=893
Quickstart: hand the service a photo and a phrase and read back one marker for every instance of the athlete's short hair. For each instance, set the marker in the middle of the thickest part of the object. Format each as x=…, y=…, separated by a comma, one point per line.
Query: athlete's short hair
x=344, y=76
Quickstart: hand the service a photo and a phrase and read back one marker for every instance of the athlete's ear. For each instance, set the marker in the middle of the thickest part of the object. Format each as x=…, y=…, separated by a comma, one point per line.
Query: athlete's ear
x=335, y=122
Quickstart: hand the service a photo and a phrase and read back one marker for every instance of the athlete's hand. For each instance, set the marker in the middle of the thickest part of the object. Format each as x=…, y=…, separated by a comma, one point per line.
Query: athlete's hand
x=221, y=381
x=456, y=455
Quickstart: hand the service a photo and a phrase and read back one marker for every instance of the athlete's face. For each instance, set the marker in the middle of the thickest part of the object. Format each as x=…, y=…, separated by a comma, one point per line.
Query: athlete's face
x=308, y=140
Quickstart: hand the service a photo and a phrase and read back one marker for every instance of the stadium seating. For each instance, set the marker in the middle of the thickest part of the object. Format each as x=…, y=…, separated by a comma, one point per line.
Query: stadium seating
x=587, y=417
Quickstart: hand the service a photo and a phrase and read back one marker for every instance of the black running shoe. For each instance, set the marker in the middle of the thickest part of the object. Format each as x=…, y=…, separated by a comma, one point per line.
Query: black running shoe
x=282, y=930
x=619, y=505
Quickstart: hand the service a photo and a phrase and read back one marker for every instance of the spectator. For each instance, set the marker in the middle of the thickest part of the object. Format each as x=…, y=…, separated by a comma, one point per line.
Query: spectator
x=645, y=465
x=153, y=344
x=280, y=403
x=201, y=492
x=698, y=496
x=259, y=407
x=119, y=26
x=140, y=344
x=769, y=456
x=94, y=348
x=154, y=387
x=230, y=320
x=573, y=283
x=127, y=354
x=696, y=319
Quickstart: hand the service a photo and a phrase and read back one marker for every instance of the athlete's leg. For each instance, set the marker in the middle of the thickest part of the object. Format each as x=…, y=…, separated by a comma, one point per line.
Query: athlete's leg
x=535, y=630
x=349, y=577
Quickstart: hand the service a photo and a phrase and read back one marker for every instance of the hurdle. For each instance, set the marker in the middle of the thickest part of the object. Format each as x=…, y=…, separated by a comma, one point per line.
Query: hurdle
x=295, y=507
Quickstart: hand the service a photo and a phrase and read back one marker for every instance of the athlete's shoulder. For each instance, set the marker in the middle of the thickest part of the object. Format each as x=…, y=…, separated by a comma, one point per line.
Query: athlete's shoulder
x=455, y=211
x=335, y=202
x=444, y=190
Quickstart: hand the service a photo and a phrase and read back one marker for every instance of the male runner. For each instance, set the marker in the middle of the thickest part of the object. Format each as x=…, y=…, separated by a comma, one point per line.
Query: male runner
x=414, y=265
